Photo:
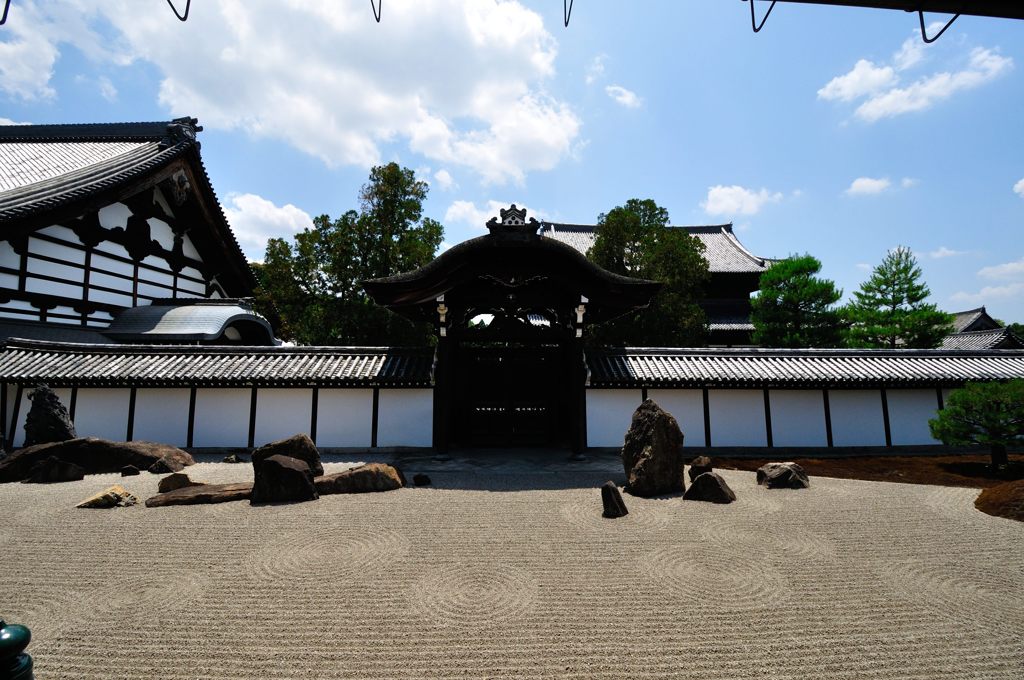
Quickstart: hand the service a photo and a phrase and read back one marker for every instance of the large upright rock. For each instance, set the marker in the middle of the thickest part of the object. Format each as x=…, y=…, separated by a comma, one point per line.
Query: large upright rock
x=297, y=446
x=710, y=487
x=47, y=420
x=614, y=506
x=653, y=452
x=94, y=455
x=783, y=476
x=52, y=470
x=282, y=479
x=362, y=479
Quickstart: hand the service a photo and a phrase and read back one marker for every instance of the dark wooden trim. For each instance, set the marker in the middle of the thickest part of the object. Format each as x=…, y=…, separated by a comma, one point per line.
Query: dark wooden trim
x=135, y=284
x=73, y=406
x=252, y=418
x=938, y=397
x=190, y=437
x=313, y=413
x=885, y=419
x=707, y=418
x=14, y=417
x=768, y=419
x=3, y=412
x=87, y=266
x=643, y=394
x=23, y=271
x=375, y=418
x=130, y=433
x=828, y=418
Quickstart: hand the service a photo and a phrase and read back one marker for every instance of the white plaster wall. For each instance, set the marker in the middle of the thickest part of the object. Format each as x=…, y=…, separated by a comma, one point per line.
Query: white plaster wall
x=189, y=250
x=55, y=250
x=737, y=418
x=102, y=412
x=114, y=215
x=909, y=412
x=405, y=417
x=161, y=200
x=856, y=417
x=161, y=415
x=798, y=418
x=281, y=413
x=161, y=232
x=222, y=417
x=344, y=417
x=609, y=413
x=7, y=310
x=64, y=234
x=111, y=248
x=687, y=406
x=64, y=393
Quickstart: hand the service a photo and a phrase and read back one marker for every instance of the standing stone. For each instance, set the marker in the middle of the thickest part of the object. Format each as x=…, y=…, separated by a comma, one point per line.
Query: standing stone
x=420, y=479
x=297, y=446
x=162, y=467
x=280, y=479
x=709, y=487
x=783, y=476
x=178, y=480
x=47, y=420
x=614, y=506
x=653, y=452
x=699, y=466
x=129, y=471
x=234, y=458
x=53, y=470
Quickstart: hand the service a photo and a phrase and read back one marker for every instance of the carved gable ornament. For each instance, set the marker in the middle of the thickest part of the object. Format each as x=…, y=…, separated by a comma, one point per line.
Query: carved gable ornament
x=513, y=225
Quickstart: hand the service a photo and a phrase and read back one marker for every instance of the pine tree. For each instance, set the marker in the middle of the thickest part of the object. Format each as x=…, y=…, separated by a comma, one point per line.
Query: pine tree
x=983, y=413
x=795, y=308
x=890, y=311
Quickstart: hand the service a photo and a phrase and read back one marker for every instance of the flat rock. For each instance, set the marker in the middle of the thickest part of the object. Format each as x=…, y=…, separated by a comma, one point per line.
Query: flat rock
x=297, y=446
x=52, y=470
x=282, y=479
x=420, y=479
x=614, y=506
x=652, y=454
x=234, y=458
x=129, y=471
x=362, y=479
x=202, y=494
x=699, y=466
x=95, y=456
x=48, y=419
x=177, y=480
x=709, y=487
x=112, y=497
x=783, y=476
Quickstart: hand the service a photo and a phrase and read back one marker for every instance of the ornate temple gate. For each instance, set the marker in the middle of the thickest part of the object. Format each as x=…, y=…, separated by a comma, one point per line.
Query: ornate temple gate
x=510, y=310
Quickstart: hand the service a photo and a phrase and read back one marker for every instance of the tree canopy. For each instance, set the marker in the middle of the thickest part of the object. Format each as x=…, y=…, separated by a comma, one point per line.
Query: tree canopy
x=635, y=240
x=890, y=311
x=795, y=308
x=983, y=413
x=310, y=289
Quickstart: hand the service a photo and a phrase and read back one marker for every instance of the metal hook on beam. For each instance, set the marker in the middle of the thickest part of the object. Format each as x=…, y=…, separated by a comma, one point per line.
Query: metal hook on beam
x=567, y=11
x=181, y=17
x=924, y=33
x=753, y=22
x=7, y=6
x=376, y=8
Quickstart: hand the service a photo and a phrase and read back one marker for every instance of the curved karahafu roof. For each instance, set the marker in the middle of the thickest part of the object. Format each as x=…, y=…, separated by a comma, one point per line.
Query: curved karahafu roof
x=202, y=321
x=512, y=263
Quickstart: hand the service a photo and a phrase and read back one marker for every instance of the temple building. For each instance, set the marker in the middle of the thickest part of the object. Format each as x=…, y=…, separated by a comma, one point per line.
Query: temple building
x=123, y=288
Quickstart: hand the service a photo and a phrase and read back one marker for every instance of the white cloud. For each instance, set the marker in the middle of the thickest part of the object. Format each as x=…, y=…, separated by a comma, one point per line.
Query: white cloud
x=983, y=66
x=8, y=121
x=737, y=200
x=867, y=186
x=621, y=95
x=1018, y=188
x=444, y=180
x=910, y=54
x=908, y=182
x=863, y=266
x=313, y=74
x=595, y=71
x=1003, y=272
x=254, y=219
x=865, y=78
x=466, y=212
x=1012, y=290
x=943, y=252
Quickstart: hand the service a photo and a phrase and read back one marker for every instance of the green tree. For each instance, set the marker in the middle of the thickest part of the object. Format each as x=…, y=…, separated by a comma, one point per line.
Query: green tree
x=796, y=308
x=890, y=310
x=983, y=413
x=312, y=287
x=635, y=240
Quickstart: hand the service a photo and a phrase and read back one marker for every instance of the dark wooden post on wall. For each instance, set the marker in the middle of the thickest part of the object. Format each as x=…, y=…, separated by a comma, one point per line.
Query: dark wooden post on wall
x=577, y=395
x=442, y=395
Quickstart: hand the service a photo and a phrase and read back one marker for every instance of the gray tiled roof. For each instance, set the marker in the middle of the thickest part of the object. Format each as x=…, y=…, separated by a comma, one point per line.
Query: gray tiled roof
x=23, y=163
x=722, y=249
x=196, y=321
x=757, y=368
x=978, y=318
x=27, y=362
x=52, y=332
x=1002, y=338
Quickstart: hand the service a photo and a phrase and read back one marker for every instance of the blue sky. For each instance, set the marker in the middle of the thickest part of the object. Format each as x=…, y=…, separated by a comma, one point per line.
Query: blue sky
x=833, y=131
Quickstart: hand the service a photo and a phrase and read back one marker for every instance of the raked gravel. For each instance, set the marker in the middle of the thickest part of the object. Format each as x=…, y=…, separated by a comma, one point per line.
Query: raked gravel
x=488, y=575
